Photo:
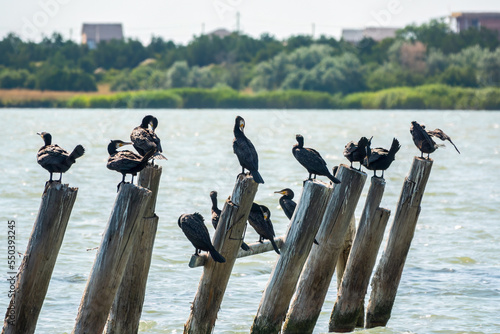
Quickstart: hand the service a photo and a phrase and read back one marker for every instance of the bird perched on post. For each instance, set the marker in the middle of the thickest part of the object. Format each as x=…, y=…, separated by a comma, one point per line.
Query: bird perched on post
x=55, y=159
x=145, y=139
x=379, y=158
x=193, y=226
x=311, y=160
x=423, y=138
x=245, y=151
x=356, y=151
x=260, y=219
x=126, y=162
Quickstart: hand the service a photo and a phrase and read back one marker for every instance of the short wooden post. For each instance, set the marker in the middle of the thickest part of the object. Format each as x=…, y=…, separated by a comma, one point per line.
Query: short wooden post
x=318, y=271
x=111, y=259
x=36, y=268
x=346, y=250
x=227, y=241
x=390, y=268
x=127, y=307
x=304, y=225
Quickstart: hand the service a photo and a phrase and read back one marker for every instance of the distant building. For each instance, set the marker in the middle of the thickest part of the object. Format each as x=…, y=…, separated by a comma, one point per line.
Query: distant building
x=221, y=33
x=93, y=34
x=465, y=21
x=375, y=33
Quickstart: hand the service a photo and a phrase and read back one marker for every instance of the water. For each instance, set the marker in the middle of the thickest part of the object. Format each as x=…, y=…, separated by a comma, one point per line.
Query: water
x=451, y=281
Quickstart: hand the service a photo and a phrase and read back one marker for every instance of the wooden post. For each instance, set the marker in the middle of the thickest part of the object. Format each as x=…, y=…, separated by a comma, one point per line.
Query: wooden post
x=227, y=241
x=388, y=274
x=36, y=268
x=111, y=259
x=346, y=250
x=304, y=225
x=127, y=307
x=318, y=271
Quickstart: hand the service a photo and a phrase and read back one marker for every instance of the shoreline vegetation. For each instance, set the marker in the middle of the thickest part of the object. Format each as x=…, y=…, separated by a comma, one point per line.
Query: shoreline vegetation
x=433, y=96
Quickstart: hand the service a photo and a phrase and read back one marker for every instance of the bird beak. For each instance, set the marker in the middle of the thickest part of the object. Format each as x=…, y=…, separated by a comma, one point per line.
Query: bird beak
x=279, y=192
x=39, y=133
x=265, y=216
x=123, y=144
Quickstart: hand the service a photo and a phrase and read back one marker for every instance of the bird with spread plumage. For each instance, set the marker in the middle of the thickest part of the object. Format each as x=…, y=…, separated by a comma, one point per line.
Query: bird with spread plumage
x=356, y=152
x=260, y=219
x=379, y=158
x=245, y=151
x=126, y=162
x=423, y=138
x=55, y=159
x=145, y=139
x=193, y=226
x=311, y=160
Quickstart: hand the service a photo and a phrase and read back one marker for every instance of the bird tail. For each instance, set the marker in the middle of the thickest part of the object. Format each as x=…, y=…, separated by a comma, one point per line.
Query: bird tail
x=77, y=152
x=216, y=255
x=244, y=246
x=256, y=176
x=159, y=156
x=333, y=178
x=147, y=156
x=394, y=147
x=276, y=249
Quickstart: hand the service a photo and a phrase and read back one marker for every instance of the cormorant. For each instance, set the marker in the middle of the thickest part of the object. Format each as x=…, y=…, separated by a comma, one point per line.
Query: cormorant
x=55, y=159
x=311, y=160
x=245, y=151
x=193, y=226
x=216, y=216
x=424, y=142
x=126, y=162
x=356, y=151
x=145, y=139
x=259, y=218
x=379, y=158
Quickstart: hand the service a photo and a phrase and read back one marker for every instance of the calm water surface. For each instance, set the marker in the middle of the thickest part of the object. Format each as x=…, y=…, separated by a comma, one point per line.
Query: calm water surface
x=451, y=281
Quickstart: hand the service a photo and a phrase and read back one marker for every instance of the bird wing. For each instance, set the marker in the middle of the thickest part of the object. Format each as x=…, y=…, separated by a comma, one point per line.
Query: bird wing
x=441, y=135
x=377, y=153
x=246, y=153
x=144, y=140
x=123, y=160
x=350, y=148
x=51, y=154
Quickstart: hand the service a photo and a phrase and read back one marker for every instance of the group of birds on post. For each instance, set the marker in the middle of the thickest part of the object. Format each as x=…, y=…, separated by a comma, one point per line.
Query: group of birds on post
x=144, y=139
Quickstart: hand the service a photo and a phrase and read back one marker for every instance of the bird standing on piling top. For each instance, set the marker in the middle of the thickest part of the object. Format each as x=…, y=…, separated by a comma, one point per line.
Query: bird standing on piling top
x=356, y=151
x=424, y=142
x=311, y=160
x=245, y=151
x=379, y=158
x=126, y=162
x=193, y=226
x=145, y=139
x=260, y=219
x=55, y=159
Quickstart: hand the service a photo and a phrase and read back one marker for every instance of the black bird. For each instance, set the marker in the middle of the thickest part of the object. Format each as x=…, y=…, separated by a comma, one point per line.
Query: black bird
x=356, y=151
x=216, y=216
x=245, y=151
x=145, y=139
x=259, y=218
x=55, y=159
x=423, y=138
x=126, y=162
x=311, y=160
x=193, y=226
x=379, y=158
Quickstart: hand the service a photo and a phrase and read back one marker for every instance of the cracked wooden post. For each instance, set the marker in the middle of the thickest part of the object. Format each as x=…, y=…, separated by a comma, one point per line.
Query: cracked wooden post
x=304, y=225
x=227, y=241
x=346, y=250
x=385, y=282
x=111, y=259
x=318, y=271
x=127, y=307
x=369, y=228
x=33, y=278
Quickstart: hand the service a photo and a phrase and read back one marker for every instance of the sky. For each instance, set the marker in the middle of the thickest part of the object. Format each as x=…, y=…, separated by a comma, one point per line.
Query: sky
x=180, y=20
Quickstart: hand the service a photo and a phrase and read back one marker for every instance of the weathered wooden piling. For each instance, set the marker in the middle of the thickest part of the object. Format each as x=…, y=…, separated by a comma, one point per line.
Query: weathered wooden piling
x=298, y=243
x=127, y=307
x=346, y=250
x=111, y=259
x=36, y=268
x=227, y=241
x=388, y=274
x=349, y=306
x=320, y=266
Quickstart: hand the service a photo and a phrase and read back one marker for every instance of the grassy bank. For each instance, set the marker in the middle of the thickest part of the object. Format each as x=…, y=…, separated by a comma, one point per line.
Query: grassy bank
x=422, y=97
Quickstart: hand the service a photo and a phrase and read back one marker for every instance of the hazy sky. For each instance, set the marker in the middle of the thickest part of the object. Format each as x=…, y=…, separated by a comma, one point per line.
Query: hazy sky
x=180, y=20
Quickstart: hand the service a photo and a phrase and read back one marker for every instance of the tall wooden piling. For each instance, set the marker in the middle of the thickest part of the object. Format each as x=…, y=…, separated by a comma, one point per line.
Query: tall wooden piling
x=111, y=259
x=298, y=243
x=36, y=268
x=127, y=307
x=390, y=268
x=318, y=271
x=346, y=250
x=227, y=241
x=349, y=306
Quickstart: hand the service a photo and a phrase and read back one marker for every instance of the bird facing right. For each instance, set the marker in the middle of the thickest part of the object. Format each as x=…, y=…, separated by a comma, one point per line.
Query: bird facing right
x=245, y=151
x=259, y=219
x=424, y=142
